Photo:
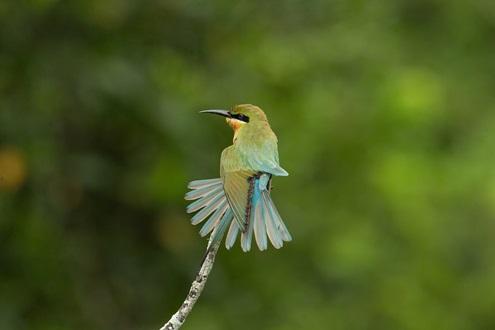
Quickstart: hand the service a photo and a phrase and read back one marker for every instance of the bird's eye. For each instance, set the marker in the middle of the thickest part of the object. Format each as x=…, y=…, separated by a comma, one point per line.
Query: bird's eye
x=241, y=117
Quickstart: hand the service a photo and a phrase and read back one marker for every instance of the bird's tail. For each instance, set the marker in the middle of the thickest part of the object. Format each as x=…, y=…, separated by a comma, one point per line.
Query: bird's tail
x=211, y=205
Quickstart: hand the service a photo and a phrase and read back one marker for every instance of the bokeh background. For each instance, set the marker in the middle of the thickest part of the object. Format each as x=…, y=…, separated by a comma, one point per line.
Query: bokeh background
x=385, y=112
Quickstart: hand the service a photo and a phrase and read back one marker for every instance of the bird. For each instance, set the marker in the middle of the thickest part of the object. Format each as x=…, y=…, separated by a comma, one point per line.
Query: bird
x=240, y=199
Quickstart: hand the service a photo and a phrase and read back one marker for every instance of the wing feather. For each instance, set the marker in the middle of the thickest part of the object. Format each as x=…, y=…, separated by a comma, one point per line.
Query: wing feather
x=237, y=186
x=197, y=184
x=205, y=200
x=214, y=219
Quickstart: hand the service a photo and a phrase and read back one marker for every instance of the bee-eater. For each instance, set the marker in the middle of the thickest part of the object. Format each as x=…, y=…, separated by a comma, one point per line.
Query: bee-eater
x=242, y=193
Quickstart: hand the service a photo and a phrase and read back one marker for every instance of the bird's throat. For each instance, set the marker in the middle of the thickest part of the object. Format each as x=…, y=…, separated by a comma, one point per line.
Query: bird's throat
x=236, y=126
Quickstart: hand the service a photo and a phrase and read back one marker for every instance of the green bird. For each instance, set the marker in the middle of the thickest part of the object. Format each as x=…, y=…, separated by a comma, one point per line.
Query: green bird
x=240, y=199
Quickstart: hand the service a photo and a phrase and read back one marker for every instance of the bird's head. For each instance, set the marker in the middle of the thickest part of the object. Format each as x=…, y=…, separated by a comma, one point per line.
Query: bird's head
x=241, y=115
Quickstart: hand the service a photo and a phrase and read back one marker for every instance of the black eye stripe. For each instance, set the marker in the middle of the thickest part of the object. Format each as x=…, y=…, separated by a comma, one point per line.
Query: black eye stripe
x=241, y=117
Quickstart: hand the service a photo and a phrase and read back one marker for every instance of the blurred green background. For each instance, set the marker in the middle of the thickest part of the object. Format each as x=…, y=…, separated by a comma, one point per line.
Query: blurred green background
x=385, y=112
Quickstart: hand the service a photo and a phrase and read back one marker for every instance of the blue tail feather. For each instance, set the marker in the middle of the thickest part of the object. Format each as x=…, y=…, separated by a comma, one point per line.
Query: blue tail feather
x=271, y=228
x=260, y=227
x=232, y=235
x=277, y=220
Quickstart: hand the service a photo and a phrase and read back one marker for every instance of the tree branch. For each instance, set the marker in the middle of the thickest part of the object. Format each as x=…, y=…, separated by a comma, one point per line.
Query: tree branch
x=197, y=286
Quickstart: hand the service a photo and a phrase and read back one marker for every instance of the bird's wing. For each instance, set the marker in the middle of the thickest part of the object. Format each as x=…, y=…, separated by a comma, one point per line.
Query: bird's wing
x=238, y=190
x=209, y=203
x=236, y=176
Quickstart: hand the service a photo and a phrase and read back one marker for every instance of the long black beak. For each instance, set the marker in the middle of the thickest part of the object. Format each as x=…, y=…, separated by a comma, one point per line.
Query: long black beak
x=223, y=113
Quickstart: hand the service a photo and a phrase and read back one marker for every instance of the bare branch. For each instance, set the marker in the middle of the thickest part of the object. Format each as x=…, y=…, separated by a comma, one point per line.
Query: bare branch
x=197, y=286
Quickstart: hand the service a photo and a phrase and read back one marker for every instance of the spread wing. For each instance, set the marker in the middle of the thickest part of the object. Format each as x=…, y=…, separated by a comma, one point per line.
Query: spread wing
x=238, y=188
x=237, y=184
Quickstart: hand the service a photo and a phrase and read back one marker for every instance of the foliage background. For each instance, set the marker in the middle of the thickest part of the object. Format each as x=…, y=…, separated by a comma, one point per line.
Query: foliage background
x=385, y=113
